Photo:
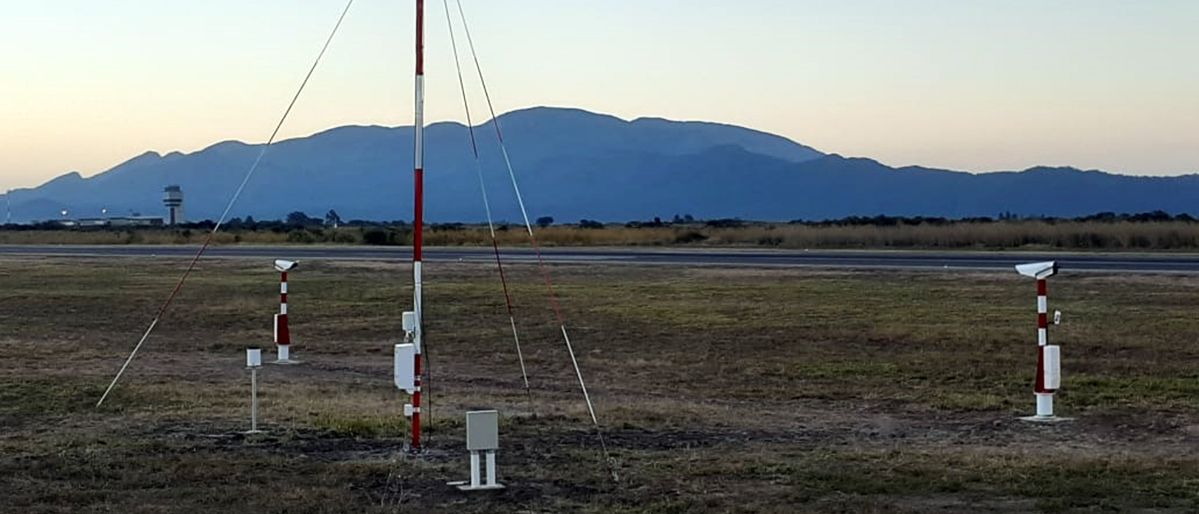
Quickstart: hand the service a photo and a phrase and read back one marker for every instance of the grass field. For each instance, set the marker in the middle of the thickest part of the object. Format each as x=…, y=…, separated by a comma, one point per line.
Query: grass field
x=727, y=390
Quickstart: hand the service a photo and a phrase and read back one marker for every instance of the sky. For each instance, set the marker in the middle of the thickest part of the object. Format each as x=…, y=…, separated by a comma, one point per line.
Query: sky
x=970, y=85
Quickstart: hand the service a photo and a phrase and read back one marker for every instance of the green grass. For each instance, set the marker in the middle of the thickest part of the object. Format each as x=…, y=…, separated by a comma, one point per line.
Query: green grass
x=382, y=426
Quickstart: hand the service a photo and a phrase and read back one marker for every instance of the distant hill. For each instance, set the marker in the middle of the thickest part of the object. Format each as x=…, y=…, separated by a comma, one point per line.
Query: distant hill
x=574, y=164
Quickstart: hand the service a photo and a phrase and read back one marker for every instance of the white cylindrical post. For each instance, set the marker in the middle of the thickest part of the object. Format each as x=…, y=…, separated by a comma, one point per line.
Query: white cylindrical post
x=491, y=478
x=1044, y=405
x=253, y=399
x=253, y=361
x=475, y=480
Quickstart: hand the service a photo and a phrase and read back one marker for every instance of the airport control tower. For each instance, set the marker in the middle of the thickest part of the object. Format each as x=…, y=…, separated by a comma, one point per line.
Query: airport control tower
x=173, y=198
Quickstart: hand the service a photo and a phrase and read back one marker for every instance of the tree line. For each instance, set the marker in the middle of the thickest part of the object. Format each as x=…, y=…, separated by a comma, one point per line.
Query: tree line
x=301, y=220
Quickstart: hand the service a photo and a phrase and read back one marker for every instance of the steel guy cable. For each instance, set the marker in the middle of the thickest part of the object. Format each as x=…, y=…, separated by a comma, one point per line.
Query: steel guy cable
x=487, y=204
x=553, y=296
x=232, y=201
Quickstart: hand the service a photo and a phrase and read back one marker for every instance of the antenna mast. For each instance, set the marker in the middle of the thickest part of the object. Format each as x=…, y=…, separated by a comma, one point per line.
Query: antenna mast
x=418, y=219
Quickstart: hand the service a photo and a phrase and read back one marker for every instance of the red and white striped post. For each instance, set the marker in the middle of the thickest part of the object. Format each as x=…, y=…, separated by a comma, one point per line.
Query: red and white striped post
x=1049, y=372
x=282, y=333
x=418, y=219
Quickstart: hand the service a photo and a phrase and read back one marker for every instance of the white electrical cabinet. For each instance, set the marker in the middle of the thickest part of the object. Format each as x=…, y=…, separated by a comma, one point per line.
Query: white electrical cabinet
x=405, y=367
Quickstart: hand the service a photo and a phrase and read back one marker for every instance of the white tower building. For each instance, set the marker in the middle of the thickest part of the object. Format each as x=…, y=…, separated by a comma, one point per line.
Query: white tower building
x=172, y=198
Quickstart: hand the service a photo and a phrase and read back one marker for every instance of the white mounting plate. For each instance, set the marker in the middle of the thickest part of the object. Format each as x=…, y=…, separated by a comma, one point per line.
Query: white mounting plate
x=1046, y=419
x=464, y=485
x=467, y=487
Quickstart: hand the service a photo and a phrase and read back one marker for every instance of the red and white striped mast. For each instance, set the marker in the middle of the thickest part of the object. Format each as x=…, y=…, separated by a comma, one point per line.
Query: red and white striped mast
x=1049, y=371
x=282, y=332
x=418, y=219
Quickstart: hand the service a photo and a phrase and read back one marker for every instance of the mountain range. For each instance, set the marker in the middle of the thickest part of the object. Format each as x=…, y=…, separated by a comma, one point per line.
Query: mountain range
x=573, y=164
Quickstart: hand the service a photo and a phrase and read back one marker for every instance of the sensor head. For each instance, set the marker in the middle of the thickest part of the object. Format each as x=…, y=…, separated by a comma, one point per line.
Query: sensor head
x=285, y=266
x=1038, y=270
x=253, y=357
x=409, y=321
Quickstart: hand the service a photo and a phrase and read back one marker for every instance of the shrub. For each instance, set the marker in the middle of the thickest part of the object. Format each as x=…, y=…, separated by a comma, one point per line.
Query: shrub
x=590, y=224
x=375, y=236
x=300, y=236
x=689, y=237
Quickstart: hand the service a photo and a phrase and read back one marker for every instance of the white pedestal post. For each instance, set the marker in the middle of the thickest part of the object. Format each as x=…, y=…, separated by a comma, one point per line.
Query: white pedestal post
x=480, y=481
x=284, y=354
x=1044, y=405
x=254, y=401
x=491, y=478
x=254, y=362
x=475, y=481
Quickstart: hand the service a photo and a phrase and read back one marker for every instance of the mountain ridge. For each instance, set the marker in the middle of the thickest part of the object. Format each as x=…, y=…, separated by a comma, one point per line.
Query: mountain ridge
x=577, y=164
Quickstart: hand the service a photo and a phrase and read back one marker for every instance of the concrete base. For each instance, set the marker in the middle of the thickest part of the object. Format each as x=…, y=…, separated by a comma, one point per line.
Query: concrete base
x=464, y=485
x=1044, y=410
x=1045, y=419
x=254, y=432
x=284, y=353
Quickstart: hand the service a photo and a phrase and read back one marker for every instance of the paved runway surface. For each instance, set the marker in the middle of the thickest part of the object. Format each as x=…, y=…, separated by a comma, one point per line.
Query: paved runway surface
x=1172, y=263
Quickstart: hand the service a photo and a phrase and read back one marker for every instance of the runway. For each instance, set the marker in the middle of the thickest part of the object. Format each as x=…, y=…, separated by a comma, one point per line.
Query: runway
x=1128, y=263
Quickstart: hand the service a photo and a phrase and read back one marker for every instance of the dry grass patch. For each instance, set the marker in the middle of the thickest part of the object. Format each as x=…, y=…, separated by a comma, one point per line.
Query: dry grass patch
x=720, y=390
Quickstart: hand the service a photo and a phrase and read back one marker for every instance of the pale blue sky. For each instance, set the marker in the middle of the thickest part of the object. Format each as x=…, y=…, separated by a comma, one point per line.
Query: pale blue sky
x=972, y=85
